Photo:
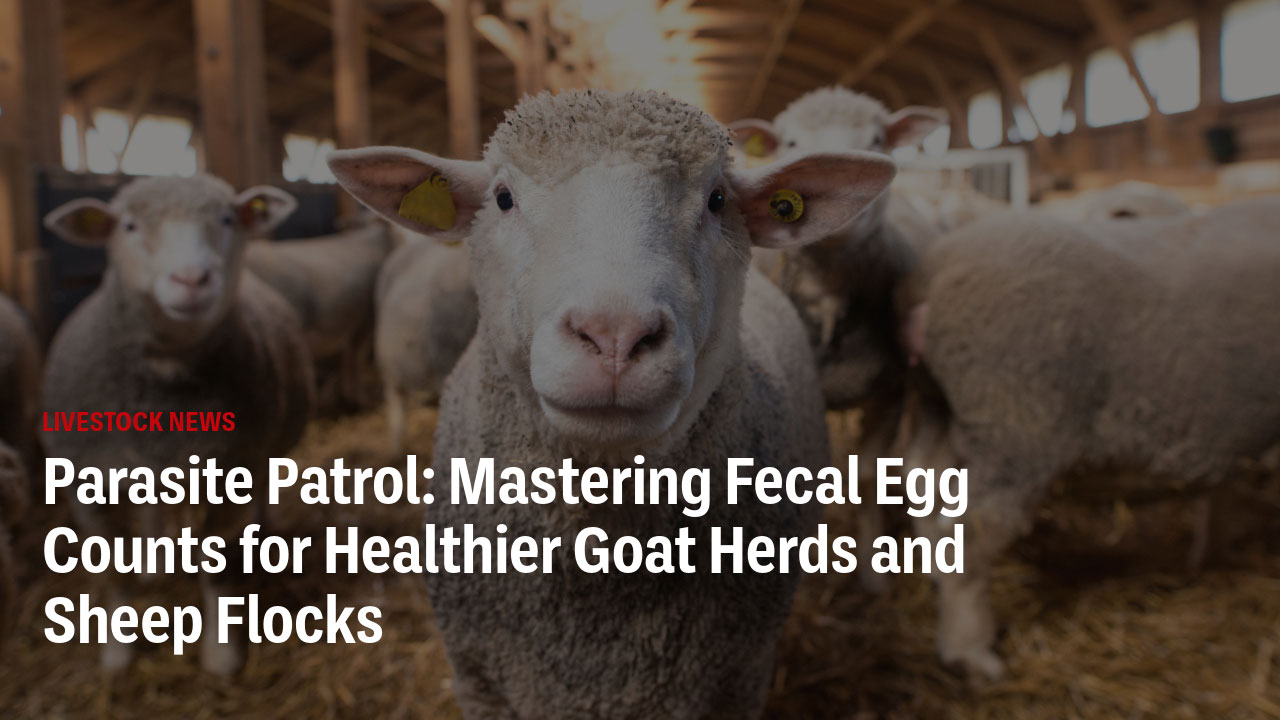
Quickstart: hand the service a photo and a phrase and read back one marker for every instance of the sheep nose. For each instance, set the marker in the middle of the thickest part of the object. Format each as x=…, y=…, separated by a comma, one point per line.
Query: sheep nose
x=619, y=337
x=192, y=277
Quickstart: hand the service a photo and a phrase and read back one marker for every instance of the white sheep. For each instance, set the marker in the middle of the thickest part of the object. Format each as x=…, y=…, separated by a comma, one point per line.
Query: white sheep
x=1128, y=200
x=618, y=317
x=844, y=284
x=177, y=326
x=427, y=313
x=1143, y=354
x=329, y=281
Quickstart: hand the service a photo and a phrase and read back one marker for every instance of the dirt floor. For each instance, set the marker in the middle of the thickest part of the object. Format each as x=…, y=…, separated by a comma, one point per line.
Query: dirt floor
x=1101, y=621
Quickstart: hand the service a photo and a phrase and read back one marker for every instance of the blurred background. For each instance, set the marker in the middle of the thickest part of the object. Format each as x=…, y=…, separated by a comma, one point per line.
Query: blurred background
x=1047, y=100
x=1083, y=92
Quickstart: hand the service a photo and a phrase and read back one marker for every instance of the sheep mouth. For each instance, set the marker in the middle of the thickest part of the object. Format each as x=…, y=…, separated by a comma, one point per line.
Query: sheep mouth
x=609, y=421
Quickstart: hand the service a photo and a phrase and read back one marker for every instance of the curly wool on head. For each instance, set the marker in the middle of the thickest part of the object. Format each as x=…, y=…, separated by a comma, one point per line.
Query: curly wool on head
x=831, y=106
x=168, y=196
x=554, y=136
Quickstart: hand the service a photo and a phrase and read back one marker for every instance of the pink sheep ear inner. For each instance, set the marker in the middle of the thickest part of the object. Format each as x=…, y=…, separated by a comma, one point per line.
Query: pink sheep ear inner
x=87, y=222
x=427, y=194
x=261, y=209
x=910, y=125
x=833, y=189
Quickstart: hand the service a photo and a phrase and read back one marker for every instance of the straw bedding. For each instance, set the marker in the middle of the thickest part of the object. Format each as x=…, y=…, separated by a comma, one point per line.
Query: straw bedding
x=1102, y=622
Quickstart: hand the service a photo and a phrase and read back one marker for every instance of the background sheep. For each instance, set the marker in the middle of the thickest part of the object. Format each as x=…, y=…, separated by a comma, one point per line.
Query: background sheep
x=1124, y=201
x=177, y=326
x=618, y=317
x=329, y=282
x=844, y=284
x=427, y=311
x=1143, y=353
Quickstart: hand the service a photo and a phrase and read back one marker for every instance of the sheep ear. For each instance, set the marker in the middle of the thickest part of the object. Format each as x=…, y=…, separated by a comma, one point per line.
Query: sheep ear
x=756, y=137
x=88, y=222
x=427, y=194
x=262, y=208
x=910, y=125
x=791, y=204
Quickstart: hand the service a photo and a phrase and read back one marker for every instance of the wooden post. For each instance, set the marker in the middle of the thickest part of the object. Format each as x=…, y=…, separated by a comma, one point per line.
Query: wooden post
x=536, y=66
x=1209, y=23
x=31, y=96
x=350, y=84
x=460, y=68
x=233, y=103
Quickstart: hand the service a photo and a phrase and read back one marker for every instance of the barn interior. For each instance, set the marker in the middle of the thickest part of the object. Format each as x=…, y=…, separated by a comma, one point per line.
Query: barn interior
x=1046, y=100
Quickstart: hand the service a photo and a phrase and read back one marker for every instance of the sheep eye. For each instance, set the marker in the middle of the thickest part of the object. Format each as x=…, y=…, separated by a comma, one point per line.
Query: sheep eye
x=716, y=202
x=504, y=198
x=791, y=143
x=130, y=226
x=226, y=221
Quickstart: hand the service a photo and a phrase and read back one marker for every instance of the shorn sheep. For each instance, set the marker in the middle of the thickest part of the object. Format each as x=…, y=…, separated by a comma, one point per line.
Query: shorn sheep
x=619, y=318
x=19, y=403
x=427, y=313
x=1138, y=357
x=844, y=284
x=177, y=326
x=329, y=282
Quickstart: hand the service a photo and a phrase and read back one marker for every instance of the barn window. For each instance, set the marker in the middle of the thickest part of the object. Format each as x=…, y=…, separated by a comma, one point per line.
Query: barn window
x=1169, y=61
x=160, y=146
x=153, y=145
x=1110, y=94
x=985, y=120
x=70, y=143
x=304, y=159
x=1046, y=93
x=1250, y=51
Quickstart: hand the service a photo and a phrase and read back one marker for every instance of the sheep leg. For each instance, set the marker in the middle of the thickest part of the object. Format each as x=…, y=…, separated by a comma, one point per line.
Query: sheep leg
x=395, y=399
x=966, y=626
x=219, y=658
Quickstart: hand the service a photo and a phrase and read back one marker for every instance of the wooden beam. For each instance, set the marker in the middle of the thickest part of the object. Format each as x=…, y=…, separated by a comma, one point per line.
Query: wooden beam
x=464, y=103
x=900, y=35
x=1011, y=78
x=397, y=51
x=1209, y=25
x=31, y=100
x=233, y=103
x=781, y=32
x=957, y=113
x=1116, y=33
x=351, y=97
x=890, y=90
x=535, y=66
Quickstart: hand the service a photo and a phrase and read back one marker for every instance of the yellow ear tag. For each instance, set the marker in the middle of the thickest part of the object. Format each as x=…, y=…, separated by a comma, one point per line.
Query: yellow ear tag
x=755, y=146
x=430, y=203
x=786, y=205
x=91, y=221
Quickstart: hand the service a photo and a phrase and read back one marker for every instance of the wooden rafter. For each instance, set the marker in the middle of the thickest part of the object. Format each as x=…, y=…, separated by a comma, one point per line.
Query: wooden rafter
x=464, y=102
x=900, y=35
x=1117, y=34
x=399, y=52
x=781, y=33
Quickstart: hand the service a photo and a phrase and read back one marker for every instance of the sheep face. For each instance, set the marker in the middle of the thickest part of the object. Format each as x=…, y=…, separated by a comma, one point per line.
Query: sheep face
x=611, y=287
x=175, y=244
